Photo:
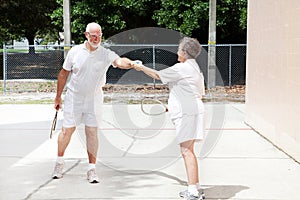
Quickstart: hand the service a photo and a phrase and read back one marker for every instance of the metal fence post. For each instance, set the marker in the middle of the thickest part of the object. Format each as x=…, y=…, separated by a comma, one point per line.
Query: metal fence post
x=4, y=68
x=229, y=65
x=153, y=58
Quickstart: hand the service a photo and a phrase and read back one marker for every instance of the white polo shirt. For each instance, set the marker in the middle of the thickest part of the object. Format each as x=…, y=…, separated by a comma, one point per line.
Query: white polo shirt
x=186, y=84
x=88, y=69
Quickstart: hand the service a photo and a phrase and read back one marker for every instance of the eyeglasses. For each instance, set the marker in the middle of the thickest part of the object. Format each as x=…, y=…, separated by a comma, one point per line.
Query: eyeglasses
x=180, y=52
x=95, y=36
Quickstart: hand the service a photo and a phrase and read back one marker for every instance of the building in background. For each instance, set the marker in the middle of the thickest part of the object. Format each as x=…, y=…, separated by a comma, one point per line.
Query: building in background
x=273, y=71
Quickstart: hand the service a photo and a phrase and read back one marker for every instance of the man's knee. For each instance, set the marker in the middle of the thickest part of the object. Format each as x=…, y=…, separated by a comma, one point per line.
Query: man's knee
x=91, y=131
x=67, y=132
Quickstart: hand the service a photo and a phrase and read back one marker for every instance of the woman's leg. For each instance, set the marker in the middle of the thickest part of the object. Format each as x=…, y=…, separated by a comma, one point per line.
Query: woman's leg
x=190, y=161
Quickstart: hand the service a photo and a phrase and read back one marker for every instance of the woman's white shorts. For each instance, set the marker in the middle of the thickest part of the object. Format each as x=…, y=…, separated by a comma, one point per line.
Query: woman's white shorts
x=189, y=127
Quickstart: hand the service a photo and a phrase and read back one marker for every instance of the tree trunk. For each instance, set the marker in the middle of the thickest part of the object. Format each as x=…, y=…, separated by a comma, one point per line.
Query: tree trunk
x=31, y=44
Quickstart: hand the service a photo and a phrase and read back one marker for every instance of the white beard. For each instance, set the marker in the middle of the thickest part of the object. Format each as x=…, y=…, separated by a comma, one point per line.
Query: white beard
x=92, y=45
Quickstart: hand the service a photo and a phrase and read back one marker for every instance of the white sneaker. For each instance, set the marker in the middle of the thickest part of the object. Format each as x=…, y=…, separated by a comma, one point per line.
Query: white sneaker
x=92, y=176
x=58, y=171
x=185, y=194
x=190, y=196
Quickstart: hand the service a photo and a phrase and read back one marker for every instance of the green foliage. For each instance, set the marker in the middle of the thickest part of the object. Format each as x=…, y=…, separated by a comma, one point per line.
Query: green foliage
x=44, y=18
x=191, y=18
x=183, y=16
x=26, y=18
x=232, y=20
x=114, y=16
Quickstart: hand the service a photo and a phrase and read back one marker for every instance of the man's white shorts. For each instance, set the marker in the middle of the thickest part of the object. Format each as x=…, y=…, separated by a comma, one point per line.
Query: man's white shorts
x=82, y=109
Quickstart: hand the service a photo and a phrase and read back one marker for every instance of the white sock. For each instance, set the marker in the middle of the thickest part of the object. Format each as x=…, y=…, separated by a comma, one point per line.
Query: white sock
x=192, y=189
x=198, y=186
x=60, y=159
x=91, y=166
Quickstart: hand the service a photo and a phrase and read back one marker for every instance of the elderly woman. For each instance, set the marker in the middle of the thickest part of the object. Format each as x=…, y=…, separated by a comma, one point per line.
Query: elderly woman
x=186, y=84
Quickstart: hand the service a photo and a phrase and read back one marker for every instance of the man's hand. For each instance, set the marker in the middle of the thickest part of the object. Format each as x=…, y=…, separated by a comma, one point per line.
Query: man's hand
x=57, y=103
x=123, y=63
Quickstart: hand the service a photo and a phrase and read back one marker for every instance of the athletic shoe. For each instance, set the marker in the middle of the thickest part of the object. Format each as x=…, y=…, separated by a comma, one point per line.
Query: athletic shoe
x=58, y=171
x=185, y=194
x=92, y=176
x=192, y=197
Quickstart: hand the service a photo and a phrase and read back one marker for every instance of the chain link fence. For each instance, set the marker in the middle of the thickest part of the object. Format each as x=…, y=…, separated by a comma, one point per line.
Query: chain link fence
x=46, y=61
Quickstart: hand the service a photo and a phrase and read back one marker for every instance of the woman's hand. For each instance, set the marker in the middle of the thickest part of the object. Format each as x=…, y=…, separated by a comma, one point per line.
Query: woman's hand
x=137, y=65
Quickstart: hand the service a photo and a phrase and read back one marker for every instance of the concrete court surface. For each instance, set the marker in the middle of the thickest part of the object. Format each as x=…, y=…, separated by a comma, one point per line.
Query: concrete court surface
x=138, y=158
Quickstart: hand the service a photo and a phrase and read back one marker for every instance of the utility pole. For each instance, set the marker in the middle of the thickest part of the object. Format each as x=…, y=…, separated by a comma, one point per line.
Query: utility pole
x=67, y=26
x=212, y=45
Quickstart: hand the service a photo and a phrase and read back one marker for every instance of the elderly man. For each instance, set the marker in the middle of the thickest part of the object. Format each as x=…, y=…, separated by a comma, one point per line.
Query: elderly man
x=87, y=63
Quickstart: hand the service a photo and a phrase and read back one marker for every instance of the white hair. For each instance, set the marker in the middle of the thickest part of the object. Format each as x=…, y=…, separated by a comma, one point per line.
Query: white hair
x=87, y=29
x=191, y=46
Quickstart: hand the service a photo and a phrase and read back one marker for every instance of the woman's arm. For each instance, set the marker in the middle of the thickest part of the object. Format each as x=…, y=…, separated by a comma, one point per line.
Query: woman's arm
x=150, y=72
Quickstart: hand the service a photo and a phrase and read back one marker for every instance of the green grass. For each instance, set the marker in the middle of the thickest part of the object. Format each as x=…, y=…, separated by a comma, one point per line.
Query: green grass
x=27, y=101
x=24, y=50
x=15, y=50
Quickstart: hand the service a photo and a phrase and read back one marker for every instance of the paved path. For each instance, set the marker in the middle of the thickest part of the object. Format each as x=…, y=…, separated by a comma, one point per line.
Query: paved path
x=138, y=158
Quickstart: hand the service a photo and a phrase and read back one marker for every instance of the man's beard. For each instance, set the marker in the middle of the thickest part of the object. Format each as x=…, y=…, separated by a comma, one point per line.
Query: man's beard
x=93, y=45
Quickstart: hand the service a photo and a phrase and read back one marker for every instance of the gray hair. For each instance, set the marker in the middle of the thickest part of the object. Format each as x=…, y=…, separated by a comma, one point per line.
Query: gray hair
x=87, y=29
x=191, y=46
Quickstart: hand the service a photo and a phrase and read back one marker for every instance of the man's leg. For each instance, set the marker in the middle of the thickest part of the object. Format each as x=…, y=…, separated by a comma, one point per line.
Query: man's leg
x=92, y=143
x=92, y=150
x=63, y=141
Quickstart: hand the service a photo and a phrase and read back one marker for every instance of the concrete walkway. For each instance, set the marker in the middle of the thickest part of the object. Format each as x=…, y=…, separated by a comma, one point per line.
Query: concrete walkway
x=138, y=158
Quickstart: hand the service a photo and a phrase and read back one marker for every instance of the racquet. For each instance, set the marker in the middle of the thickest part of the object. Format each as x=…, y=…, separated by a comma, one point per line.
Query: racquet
x=153, y=107
x=53, y=124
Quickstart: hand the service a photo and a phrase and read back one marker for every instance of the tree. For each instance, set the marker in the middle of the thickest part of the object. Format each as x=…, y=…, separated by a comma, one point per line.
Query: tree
x=114, y=16
x=191, y=18
x=33, y=18
x=231, y=21
x=183, y=16
x=27, y=18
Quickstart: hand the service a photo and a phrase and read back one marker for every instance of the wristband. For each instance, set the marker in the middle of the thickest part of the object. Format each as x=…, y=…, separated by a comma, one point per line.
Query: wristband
x=138, y=62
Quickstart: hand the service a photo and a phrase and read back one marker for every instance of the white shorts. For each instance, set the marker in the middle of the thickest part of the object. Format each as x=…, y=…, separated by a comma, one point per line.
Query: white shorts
x=82, y=109
x=189, y=127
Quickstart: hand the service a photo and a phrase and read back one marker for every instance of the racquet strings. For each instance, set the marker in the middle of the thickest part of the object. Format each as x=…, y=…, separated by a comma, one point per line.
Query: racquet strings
x=153, y=107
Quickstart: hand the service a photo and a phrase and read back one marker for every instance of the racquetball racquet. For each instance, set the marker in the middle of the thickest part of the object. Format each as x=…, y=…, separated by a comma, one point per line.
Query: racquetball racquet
x=153, y=107
x=53, y=124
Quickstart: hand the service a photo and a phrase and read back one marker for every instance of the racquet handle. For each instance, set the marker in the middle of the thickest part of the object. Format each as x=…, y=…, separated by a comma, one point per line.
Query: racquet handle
x=57, y=108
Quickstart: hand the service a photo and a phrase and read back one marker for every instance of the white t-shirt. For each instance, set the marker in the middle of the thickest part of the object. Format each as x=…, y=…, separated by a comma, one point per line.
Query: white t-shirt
x=88, y=69
x=186, y=84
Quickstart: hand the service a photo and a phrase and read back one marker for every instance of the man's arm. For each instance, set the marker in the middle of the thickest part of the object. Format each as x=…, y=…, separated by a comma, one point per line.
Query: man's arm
x=123, y=63
x=61, y=82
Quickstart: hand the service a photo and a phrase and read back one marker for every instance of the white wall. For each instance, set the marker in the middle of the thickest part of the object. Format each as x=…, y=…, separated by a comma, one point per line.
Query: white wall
x=273, y=72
